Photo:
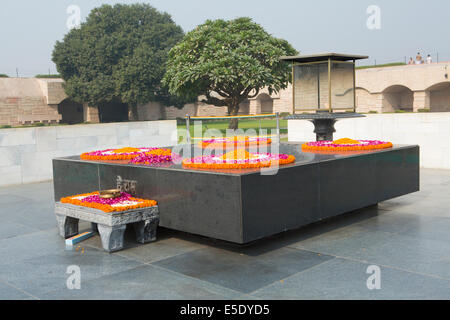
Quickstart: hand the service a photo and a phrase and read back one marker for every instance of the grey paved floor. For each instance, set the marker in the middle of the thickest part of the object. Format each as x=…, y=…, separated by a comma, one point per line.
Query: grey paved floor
x=408, y=238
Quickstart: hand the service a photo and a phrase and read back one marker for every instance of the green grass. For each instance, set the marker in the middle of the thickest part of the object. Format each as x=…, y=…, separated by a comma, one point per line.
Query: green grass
x=47, y=76
x=222, y=126
x=38, y=124
x=394, y=64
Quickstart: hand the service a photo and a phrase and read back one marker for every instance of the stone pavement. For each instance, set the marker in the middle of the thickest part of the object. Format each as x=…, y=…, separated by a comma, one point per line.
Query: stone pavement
x=408, y=238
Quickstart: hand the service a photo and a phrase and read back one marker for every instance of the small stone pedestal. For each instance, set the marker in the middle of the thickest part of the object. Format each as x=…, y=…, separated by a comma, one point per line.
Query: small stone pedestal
x=111, y=226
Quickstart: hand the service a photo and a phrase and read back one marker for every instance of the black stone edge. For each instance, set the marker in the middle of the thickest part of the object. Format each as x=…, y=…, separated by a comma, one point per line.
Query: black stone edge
x=395, y=147
x=319, y=116
x=143, y=166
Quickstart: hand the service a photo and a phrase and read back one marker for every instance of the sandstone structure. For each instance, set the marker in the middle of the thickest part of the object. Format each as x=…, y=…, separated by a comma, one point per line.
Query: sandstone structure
x=409, y=88
x=387, y=89
x=25, y=101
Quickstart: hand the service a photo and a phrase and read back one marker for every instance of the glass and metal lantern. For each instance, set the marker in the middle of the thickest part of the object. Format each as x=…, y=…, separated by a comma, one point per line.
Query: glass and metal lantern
x=323, y=89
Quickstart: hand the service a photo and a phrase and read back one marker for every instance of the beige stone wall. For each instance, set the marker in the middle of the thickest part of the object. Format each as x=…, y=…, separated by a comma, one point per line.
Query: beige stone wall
x=90, y=114
x=172, y=113
x=439, y=100
x=150, y=111
x=430, y=86
x=365, y=101
x=35, y=100
x=205, y=110
x=24, y=101
x=52, y=90
x=284, y=102
x=414, y=77
x=26, y=153
x=9, y=111
x=422, y=129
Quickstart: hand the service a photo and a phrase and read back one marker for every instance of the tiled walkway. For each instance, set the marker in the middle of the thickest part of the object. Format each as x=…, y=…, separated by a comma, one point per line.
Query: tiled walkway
x=408, y=238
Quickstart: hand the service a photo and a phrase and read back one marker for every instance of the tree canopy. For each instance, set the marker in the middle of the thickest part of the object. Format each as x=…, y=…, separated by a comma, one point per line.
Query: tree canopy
x=118, y=54
x=227, y=62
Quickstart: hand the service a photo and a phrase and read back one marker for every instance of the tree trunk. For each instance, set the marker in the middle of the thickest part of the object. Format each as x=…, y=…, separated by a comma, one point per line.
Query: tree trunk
x=233, y=111
x=132, y=113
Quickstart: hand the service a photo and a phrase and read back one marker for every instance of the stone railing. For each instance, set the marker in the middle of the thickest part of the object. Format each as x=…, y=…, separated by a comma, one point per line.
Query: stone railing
x=431, y=131
x=26, y=153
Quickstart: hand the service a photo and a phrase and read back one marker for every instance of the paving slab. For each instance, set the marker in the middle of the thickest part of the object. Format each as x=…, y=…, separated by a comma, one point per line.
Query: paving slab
x=243, y=271
x=145, y=282
x=169, y=243
x=10, y=229
x=48, y=272
x=346, y=279
x=7, y=292
x=409, y=253
x=419, y=226
x=408, y=237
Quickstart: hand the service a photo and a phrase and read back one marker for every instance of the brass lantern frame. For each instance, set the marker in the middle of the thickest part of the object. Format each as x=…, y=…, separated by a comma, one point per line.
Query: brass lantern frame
x=330, y=100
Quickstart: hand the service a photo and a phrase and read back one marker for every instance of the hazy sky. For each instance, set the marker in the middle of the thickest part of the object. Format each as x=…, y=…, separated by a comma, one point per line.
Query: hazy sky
x=29, y=28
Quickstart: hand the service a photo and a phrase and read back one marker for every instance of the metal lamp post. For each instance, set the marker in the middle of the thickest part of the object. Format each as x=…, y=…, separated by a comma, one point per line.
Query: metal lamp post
x=323, y=90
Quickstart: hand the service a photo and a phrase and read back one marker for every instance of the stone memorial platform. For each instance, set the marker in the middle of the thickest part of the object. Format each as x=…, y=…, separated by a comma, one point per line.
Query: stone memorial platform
x=241, y=206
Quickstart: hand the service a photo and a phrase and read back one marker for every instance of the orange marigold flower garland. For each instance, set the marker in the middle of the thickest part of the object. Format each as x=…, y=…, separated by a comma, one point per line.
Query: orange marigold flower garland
x=232, y=142
x=122, y=203
x=238, y=159
x=346, y=144
x=124, y=153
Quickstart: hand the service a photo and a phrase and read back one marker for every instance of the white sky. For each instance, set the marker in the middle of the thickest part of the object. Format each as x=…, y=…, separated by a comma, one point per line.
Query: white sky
x=29, y=28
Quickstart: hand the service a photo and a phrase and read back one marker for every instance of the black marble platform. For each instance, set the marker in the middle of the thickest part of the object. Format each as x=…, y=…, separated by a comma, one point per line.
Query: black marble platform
x=241, y=206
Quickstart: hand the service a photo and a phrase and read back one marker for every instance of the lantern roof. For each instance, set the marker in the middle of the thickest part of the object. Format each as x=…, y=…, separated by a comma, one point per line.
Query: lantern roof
x=323, y=57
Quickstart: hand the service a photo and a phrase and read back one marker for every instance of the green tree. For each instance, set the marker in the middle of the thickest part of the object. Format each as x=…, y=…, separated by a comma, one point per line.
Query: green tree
x=118, y=55
x=227, y=62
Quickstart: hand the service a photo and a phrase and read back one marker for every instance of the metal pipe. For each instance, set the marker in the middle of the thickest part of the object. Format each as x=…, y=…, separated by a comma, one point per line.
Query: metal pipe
x=278, y=127
x=354, y=85
x=293, y=89
x=329, y=86
x=188, y=132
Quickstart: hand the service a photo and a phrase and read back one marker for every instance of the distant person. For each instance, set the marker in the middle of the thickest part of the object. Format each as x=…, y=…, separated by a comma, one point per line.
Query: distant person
x=419, y=59
x=429, y=59
x=411, y=61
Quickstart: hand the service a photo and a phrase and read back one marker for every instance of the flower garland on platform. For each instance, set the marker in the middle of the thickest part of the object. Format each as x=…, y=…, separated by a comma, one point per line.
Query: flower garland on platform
x=237, y=141
x=150, y=159
x=124, y=153
x=346, y=144
x=122, y=203
x=238, y=159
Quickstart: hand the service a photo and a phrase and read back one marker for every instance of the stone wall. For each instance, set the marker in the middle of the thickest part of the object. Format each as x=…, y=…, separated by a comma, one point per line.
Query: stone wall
x=174, y=113
x=26, y=153
x=150, y=111
x=431, y=131
x=385, y=89
x=25, y=101
x=205, y=110
x=410, y=87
